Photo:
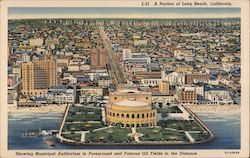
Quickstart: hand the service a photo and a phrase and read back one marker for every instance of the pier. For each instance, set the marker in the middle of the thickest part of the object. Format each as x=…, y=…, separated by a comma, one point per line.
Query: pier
x=40, y=133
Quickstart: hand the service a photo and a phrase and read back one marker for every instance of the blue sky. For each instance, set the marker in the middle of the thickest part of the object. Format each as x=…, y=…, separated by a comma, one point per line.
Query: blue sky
x=45, y=10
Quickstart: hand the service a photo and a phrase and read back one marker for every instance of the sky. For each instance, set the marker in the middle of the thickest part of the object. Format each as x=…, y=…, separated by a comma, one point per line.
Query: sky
x=45, y=12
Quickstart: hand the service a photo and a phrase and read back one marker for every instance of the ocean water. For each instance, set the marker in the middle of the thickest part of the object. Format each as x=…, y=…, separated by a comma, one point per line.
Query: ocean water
x=225, y=126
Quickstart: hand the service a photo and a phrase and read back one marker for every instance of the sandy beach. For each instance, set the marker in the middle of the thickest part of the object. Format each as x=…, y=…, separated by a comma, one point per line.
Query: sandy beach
x=49, y=108
x=214, y=108
x=194, y=108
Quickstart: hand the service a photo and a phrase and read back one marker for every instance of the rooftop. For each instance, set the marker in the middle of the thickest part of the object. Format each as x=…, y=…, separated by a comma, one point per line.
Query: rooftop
x=131, y=103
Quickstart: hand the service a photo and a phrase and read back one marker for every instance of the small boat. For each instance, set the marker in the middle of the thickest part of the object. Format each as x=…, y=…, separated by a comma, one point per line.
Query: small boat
x=49, y=142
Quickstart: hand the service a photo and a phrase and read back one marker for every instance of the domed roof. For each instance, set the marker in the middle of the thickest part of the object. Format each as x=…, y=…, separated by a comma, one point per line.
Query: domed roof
x=131, y=103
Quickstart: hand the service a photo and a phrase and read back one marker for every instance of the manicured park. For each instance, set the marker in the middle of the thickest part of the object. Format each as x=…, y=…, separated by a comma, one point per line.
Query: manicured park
x=161, y=134
x=110, y=135
x=84, y=125
x=72, y=136
x=190, y=125
x=82, y=118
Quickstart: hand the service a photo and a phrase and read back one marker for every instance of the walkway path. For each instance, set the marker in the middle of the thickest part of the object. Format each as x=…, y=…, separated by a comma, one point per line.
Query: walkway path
x=64, y=119
x=172, y=129
x=101, y=129
x=134, y=135
x=189, y=137
x=61, y=127
x=84, y=132
x=103, y=115
x=83, y=135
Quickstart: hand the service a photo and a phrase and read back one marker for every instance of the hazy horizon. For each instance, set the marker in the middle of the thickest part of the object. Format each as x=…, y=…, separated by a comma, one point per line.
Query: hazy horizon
x=122, y=13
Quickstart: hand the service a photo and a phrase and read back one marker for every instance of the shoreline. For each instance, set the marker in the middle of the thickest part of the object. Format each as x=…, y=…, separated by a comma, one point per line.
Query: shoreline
x=42, y=109
x=214, y=108
x=194, y=108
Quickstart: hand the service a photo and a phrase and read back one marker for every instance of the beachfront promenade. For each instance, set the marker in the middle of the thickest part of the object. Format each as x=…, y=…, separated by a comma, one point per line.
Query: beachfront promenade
x=194, y=108
x=214, y=108
x=50, y=108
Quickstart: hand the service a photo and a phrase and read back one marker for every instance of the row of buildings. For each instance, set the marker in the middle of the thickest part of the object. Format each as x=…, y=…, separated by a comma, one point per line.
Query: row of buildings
x=55, y=66
x=65, y=61
x=182, y=61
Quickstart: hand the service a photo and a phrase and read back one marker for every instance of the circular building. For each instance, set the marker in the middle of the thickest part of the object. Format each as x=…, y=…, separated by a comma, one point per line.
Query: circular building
x=130, y=108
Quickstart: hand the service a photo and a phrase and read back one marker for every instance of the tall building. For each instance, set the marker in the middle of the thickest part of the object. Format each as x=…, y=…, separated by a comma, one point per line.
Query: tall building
x=164, y=87
x=37, y=77
x=186, y=95
x=98, y=58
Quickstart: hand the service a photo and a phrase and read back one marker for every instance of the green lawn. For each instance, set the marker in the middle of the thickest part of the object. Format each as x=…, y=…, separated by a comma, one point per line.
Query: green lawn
x=158, y=134
x=150, y=134
x=174, y=136
x=72, y=136
x=82, y=126
x=84, y=110
x=79, y=119
x=172, y=109
x=110, y=135
x=83, y=114
x=83, y=117
x=200, y=136
x=180, y=125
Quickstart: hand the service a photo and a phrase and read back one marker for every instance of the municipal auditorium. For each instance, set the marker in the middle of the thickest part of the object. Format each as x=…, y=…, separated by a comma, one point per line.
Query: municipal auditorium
x=131, y=108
